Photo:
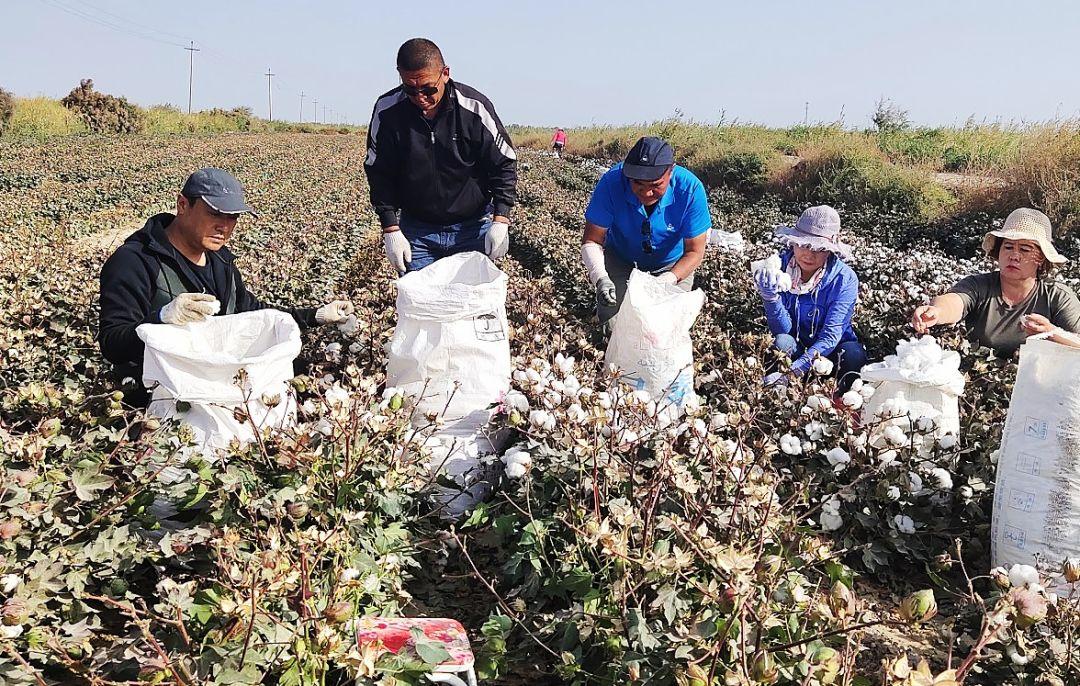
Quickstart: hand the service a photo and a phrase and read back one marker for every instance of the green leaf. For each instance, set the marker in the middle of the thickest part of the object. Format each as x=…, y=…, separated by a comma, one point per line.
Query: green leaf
x=87, y=482
x=431, y=652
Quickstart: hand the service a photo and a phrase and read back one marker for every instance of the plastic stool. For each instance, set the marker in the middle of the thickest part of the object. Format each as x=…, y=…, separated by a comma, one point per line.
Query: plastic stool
x=393, y=634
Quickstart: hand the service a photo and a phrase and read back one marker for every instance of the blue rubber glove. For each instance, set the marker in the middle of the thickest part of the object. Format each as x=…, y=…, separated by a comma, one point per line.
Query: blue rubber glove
x=768, y=285
x=774, y=379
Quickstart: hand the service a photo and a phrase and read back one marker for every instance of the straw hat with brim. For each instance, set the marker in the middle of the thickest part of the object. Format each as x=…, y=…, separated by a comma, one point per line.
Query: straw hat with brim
x=818, y=228
x=1026, y=224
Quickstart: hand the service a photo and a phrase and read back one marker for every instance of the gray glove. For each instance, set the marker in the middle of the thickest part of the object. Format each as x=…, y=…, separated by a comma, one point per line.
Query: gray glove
x=333, y=312
x=768, y=285
x=605, y=292
x=398, y=250
x=190, y=307
x=497, y=241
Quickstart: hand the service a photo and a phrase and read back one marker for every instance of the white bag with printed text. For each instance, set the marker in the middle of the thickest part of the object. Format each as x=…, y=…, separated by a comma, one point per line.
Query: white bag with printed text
x=451, y=351
x=1037, y=495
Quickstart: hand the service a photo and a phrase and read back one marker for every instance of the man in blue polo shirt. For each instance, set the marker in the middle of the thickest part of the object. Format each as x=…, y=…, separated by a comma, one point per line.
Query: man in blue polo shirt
x=646, y=213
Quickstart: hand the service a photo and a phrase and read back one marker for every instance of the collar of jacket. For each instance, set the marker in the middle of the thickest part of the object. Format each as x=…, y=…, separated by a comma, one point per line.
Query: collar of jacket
x=152, y=236
x=832, y=267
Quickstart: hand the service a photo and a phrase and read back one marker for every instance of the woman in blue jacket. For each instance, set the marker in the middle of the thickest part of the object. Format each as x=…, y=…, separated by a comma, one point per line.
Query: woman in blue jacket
x=813, y=318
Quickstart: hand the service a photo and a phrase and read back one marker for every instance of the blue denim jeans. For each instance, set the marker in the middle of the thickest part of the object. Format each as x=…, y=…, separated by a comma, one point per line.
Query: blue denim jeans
x=430, y=242
x=848, y=358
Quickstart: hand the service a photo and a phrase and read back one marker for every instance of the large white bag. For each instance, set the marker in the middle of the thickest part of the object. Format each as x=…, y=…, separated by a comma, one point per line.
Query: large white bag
x=1037, y=496
x=923, y=387
x=650, y=339
x=195, y=366
x=451, y=350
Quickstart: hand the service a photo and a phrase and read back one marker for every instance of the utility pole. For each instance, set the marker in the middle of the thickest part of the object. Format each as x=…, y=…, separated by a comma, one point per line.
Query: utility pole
x=316, y=110
x=301, y=107
x=806, y=113
x=270, y=91
x=191, y=65
x=324, y=108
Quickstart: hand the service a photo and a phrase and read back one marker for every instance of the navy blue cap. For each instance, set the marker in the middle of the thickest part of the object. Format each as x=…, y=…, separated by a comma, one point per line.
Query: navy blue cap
x=648, y=159
x=219, y=189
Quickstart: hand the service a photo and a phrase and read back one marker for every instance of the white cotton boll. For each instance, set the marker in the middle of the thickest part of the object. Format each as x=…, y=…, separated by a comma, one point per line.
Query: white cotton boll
x=887, y=458
x=790, y=444
x=947, y=442
x=831, y=521
x=542, y=419
x=895, y=435
x=823, y=366
x=349, y=325
x=1023, y=575
x=355, y=348
x=576, y=414
x=540, y=365
x=516, y=400
x=905, y=524
x=852, y=399
x=309, y=408
x=324, y=427
x=336, y=396
x=925, y=424
x=814, y=430
x=915, y=483
x=603, y=399
x=627, y=437
x=867, y=391
x=516, y=470
x=995, y=456
x=718, y=420
x=350, y=574
x=9, y=582
x=552, y=399
x=818, y=402
x=838, y=458
x=857, y=385
x=534, y=377
x=893, y=493
x=558, y=386
x=783, y=282
x=941, y=478
x=642, y=397
x=751, y=362
x=571, y=385
x=520, y=376
x=332, y=348
x=565, y=364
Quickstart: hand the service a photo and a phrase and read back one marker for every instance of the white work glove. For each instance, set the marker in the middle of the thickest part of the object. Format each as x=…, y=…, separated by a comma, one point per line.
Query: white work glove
x=768, y=285
x=398, y=250
x=190, y=307
x=668, y=277
x=334, y=312
x=497, y=241
x=605, y=292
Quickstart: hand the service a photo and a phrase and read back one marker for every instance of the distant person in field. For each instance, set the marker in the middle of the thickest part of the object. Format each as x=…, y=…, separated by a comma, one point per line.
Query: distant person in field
x=813, y=317
x=440, y=165
x=647, y=213
x=177, y=270
x=1002, y=308
x=558, y=142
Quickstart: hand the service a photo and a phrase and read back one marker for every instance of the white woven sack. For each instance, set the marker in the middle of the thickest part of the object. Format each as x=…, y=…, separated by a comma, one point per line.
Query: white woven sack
x=929, y=401
x=196, y=366
x=450, y=348
x=650, y=339
x=1037, y=496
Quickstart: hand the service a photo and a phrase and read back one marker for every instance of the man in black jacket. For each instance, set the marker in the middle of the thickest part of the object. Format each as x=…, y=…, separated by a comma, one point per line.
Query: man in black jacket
x=177, y=270
x=441, y=168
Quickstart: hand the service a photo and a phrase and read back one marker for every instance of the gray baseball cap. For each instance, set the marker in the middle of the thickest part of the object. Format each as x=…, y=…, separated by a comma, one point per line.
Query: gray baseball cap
x=219, y=189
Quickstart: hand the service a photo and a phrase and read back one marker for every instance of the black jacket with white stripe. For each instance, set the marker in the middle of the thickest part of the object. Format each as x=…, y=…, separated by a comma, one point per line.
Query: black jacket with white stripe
x=443, y=171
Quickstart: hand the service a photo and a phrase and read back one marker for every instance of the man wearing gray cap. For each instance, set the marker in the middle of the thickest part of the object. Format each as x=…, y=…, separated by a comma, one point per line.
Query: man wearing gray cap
x=176, y=270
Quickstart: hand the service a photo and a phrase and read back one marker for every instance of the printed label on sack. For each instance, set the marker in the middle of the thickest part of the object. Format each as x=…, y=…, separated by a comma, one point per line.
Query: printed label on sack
x=1035, y=428
x=489, y=328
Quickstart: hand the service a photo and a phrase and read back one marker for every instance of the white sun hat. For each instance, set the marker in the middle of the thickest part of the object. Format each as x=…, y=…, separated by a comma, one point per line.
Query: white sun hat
x=1026, y=224
x=818, y=228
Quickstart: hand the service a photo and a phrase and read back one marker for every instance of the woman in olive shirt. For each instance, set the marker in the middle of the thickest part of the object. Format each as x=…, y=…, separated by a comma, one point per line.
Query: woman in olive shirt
x=1003, y=308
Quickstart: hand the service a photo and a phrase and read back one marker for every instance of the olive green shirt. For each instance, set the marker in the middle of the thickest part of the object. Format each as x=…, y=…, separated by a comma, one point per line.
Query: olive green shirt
x=993, y=323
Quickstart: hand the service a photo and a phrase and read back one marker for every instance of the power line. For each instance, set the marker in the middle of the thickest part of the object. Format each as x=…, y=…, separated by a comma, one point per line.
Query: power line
x=131, y=21
x=76, y=12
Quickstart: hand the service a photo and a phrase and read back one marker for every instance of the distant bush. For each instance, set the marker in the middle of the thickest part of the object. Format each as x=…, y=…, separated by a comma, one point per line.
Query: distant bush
x=7, y=108
x=846, y=174
x=41, y=118
x=103, y=113
x=1045, y=173
x=744, y=171
x=888, y=116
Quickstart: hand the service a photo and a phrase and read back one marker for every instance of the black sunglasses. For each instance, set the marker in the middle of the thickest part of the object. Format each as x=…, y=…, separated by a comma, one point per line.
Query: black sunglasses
x=646, y=242
x=419, y=90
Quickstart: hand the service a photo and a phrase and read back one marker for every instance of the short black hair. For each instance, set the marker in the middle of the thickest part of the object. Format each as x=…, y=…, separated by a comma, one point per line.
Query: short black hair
x=419, y=53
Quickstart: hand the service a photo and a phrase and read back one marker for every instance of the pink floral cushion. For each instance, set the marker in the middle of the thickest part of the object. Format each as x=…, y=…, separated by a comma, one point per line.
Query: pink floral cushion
x=395, y=634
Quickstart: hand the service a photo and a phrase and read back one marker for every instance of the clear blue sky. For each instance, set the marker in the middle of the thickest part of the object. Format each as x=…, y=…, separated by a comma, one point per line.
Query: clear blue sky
x=569, y=63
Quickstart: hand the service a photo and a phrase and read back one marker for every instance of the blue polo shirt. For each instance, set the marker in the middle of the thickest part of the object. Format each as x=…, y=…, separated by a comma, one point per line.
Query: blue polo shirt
x=682, y=213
